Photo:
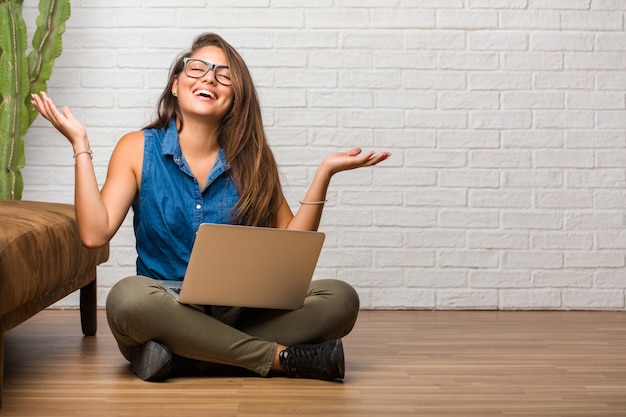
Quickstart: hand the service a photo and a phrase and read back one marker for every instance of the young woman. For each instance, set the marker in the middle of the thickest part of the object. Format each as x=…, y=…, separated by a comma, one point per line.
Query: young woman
x=206, y=159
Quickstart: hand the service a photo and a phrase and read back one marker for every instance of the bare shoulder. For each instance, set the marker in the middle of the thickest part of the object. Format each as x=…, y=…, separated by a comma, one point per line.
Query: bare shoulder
x=129, y=147
x=132, y=141
x=128, y=156
x=123, y=175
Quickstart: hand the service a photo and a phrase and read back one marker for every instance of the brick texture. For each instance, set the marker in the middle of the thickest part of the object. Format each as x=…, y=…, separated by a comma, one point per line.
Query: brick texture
x=506, y=120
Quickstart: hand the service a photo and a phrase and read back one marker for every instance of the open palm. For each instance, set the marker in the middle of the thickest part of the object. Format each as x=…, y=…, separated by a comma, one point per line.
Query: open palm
x=64, y=122
x=344, y=161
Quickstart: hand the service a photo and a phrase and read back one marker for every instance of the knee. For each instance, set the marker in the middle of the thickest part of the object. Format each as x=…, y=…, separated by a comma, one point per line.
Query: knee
x=345, y=309
x=343, y=299
x=349, y=295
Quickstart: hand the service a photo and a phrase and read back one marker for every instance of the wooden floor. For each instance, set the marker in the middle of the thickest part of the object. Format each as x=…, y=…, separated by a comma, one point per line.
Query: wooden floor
x=398, y=363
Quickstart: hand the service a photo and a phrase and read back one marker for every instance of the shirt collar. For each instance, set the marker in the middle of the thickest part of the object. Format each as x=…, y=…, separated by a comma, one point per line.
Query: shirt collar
x=170, y=140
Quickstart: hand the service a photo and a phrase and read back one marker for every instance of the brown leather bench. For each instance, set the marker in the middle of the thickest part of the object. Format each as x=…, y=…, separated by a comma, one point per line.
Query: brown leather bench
x=41, y=261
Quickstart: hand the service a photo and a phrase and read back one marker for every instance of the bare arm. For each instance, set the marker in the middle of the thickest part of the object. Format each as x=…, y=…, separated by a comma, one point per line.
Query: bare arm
x=310, y=213
x=98, y=214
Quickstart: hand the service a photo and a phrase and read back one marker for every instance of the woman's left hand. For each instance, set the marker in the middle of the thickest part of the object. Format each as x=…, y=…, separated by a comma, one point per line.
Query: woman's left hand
x=344, y=161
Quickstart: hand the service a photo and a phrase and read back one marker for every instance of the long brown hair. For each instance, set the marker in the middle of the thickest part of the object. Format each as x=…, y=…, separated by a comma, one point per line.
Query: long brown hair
x=241, y=135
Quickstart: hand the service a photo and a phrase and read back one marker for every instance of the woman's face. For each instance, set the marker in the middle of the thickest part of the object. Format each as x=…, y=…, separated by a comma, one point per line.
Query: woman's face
x=201, y=94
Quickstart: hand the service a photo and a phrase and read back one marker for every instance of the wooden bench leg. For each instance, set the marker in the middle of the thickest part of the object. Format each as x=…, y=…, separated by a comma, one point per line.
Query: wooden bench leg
x=89, y=307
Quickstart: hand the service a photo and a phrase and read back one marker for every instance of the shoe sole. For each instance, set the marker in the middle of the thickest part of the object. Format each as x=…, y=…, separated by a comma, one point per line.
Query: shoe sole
x=150, y=359
x=341, y=365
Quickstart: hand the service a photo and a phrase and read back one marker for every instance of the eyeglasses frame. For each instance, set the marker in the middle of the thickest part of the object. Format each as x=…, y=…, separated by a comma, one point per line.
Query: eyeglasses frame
x=210, y=67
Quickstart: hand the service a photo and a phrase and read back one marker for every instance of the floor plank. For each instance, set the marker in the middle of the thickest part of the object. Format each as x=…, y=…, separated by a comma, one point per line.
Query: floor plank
x=398, y=363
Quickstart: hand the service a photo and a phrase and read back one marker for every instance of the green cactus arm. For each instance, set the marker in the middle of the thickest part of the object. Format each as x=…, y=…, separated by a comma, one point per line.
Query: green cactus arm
x=47, y=46
x=13, y=92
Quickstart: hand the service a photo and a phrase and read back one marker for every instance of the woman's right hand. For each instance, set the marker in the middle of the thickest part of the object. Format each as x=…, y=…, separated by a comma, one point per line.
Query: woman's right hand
x=64, y=122
x=99, y=214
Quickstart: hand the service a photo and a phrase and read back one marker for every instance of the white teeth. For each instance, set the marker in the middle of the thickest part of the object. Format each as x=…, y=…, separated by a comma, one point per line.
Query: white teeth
x=205, y=93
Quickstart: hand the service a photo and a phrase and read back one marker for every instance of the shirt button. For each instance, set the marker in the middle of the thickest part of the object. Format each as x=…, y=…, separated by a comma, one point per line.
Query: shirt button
x=198, y=207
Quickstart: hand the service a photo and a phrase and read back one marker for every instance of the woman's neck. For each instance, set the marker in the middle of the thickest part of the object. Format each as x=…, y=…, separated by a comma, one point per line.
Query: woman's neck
x=197, y=138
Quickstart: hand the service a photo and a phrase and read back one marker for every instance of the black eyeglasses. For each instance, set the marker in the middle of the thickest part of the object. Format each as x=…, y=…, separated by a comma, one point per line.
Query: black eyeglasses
x=197, y=68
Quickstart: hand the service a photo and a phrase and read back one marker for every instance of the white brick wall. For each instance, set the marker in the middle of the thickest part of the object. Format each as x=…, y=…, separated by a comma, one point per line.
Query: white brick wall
x=506, y=119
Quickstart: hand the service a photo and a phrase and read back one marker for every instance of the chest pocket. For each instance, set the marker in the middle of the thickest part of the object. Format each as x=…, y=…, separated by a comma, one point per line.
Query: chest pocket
x=221, y=196
x=225, y=209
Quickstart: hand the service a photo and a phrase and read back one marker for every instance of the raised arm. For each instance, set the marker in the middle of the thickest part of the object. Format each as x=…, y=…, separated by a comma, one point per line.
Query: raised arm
x=311, y=206
x=98, y=214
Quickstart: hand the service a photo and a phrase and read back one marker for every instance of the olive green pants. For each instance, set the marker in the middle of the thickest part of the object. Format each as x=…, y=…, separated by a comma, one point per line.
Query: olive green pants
x=139, y=309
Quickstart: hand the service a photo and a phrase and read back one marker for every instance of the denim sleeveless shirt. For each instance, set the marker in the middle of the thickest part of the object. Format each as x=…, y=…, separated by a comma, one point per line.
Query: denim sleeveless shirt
x=171, y=205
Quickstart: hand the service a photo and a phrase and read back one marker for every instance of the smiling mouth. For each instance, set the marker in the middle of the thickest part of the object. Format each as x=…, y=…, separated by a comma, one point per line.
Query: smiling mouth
x=205, y=93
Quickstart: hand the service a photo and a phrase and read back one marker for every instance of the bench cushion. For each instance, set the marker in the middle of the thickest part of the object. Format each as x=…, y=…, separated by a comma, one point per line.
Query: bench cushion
x=40, y=251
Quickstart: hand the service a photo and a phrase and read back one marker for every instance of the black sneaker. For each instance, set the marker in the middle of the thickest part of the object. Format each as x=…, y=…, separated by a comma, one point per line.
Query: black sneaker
x=152, y=361
x=321, y=361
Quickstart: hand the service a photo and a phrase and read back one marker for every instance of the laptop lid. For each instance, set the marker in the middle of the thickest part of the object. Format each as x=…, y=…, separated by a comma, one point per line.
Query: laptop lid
x=246, y=266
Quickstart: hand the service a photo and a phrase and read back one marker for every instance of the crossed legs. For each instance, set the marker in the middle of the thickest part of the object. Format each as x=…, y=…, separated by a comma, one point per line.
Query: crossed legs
x=139, y=310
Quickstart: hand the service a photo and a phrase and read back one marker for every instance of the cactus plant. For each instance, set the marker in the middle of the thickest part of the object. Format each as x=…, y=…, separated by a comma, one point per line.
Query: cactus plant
x=21, y=75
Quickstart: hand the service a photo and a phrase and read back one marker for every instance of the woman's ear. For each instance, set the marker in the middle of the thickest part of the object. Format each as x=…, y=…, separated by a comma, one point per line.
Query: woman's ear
x=175, y=87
